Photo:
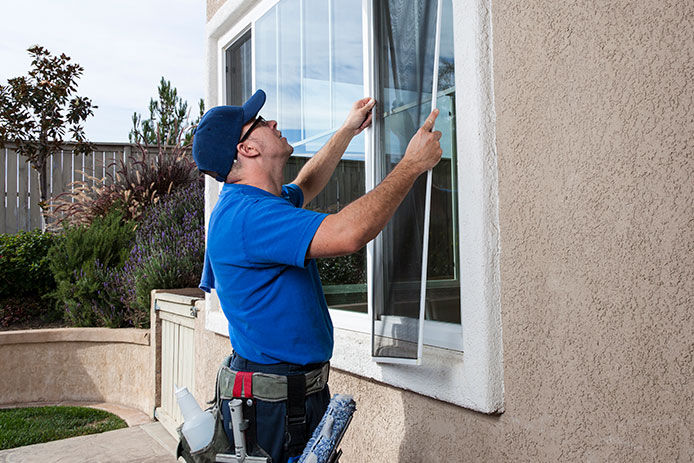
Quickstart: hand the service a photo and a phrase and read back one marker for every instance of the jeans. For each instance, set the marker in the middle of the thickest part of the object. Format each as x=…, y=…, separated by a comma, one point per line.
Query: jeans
x=270, y=416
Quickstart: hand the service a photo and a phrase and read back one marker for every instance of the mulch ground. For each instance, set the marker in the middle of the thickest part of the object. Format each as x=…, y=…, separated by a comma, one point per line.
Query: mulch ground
x=34, y=325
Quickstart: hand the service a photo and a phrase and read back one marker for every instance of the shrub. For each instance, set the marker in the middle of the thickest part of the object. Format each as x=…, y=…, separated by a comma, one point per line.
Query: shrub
x=344, y=270
x=168, y=253
x=80, y=262
x=150, y=173
x=23, y=264
x=25, y=278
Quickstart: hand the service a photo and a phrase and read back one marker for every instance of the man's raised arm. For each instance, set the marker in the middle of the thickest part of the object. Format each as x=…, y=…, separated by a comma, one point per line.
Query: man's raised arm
x=315, y=174
x=350, y=229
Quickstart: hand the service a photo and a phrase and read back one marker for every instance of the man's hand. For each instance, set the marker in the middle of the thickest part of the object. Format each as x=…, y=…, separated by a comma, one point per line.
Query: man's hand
x=424, y=150
x=360, y=221
x=360, y=116
x=316, y=173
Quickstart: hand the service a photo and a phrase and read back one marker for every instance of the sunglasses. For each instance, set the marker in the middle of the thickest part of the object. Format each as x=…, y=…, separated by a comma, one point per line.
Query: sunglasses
x=258, y=122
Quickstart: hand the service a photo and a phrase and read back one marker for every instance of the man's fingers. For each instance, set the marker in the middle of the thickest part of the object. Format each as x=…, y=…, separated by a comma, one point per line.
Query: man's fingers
x=365, y=103
x=367, y=122
x=370, y=103
x=429, y=123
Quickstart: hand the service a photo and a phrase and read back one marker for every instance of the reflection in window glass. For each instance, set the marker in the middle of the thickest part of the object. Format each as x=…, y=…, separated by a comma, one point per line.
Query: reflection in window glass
x=313, y=73
x=266, y=61
x=346, y=45
x=316, y=73
x=289, y=70
x=406, y=34
x=309, y=61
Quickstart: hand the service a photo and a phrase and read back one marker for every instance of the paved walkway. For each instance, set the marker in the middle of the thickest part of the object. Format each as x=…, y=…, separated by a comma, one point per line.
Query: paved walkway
x=143, y=442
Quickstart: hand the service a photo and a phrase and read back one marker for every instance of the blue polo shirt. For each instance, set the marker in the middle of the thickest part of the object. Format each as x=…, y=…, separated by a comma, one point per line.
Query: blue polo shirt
x=270, y=293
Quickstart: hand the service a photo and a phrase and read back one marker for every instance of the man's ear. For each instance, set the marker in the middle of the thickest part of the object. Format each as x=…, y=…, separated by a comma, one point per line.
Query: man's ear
x=247, y=149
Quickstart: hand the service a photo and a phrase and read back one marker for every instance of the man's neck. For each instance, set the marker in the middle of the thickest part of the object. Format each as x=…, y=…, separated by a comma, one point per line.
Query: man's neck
x=270, y=181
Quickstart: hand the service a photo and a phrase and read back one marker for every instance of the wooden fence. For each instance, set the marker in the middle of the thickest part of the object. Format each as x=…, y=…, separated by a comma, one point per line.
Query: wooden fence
x=19, y=183
x=347, y=183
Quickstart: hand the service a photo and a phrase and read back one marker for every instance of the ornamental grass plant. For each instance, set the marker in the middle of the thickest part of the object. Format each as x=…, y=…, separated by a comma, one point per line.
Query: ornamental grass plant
x=149, y=173
x=106, y=270
x=159, y=193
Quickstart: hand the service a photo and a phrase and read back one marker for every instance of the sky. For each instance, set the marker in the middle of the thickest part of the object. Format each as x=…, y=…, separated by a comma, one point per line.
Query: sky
x=125, y=47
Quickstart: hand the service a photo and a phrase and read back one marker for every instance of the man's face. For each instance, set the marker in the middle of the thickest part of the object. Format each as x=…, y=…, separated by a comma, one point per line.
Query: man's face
x=268, y=139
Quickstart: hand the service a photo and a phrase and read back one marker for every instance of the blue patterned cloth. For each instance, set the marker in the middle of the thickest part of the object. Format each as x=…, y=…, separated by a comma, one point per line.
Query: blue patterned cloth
x=330, y=429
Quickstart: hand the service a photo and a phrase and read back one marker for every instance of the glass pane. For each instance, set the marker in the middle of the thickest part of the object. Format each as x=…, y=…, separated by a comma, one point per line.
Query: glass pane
x=443, y=287
x=266, y=61
x=309, y=62
x=238, y=66
x=289, y=70
x=316, y=76
x=347, y=65
x=343, y=278
x=406, y=34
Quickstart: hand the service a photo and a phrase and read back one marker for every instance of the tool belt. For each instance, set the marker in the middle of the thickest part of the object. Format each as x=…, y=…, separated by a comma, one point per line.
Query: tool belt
x=269, y=387
x=232, y=384
x=265, y=386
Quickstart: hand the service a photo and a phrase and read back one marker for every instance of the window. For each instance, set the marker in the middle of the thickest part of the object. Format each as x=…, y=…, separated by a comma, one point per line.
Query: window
x=314, y=58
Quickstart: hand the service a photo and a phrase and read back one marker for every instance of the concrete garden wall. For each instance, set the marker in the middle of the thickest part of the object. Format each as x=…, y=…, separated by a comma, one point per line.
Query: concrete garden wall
x=77, y=364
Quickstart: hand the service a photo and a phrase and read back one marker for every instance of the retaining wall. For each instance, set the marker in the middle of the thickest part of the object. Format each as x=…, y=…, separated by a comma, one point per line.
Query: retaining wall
x=77, y=364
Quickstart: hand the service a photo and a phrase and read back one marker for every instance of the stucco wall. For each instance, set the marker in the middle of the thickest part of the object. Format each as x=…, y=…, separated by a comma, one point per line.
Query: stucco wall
x=77, y=364
x=594, y=124
x=595, y=132
x=213, y=6
x=213, y=348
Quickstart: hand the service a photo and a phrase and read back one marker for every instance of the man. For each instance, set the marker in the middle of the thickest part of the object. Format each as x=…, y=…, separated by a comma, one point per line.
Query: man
x=261, y=247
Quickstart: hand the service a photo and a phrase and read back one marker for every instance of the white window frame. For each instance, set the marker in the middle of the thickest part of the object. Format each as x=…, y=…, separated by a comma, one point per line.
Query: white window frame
x=468, y=370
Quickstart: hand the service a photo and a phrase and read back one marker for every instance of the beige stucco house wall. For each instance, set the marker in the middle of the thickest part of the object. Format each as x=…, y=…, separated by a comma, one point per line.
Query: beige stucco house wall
x=594, y=119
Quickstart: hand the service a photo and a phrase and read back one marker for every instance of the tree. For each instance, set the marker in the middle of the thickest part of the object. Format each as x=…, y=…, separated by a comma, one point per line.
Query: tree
x=168, y=119
x=36, y=109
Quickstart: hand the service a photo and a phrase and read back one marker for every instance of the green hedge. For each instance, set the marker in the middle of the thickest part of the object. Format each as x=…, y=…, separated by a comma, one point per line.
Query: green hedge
x=24, y=268
x=26, y=281
x=81, y=260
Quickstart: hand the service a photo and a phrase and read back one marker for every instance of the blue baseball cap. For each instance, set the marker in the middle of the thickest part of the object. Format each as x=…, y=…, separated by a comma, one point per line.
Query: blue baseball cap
x=218, y=133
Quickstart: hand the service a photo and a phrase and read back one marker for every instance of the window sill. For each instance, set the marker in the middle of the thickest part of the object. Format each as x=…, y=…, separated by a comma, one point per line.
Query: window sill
x=455, y=381
x=436, y=334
